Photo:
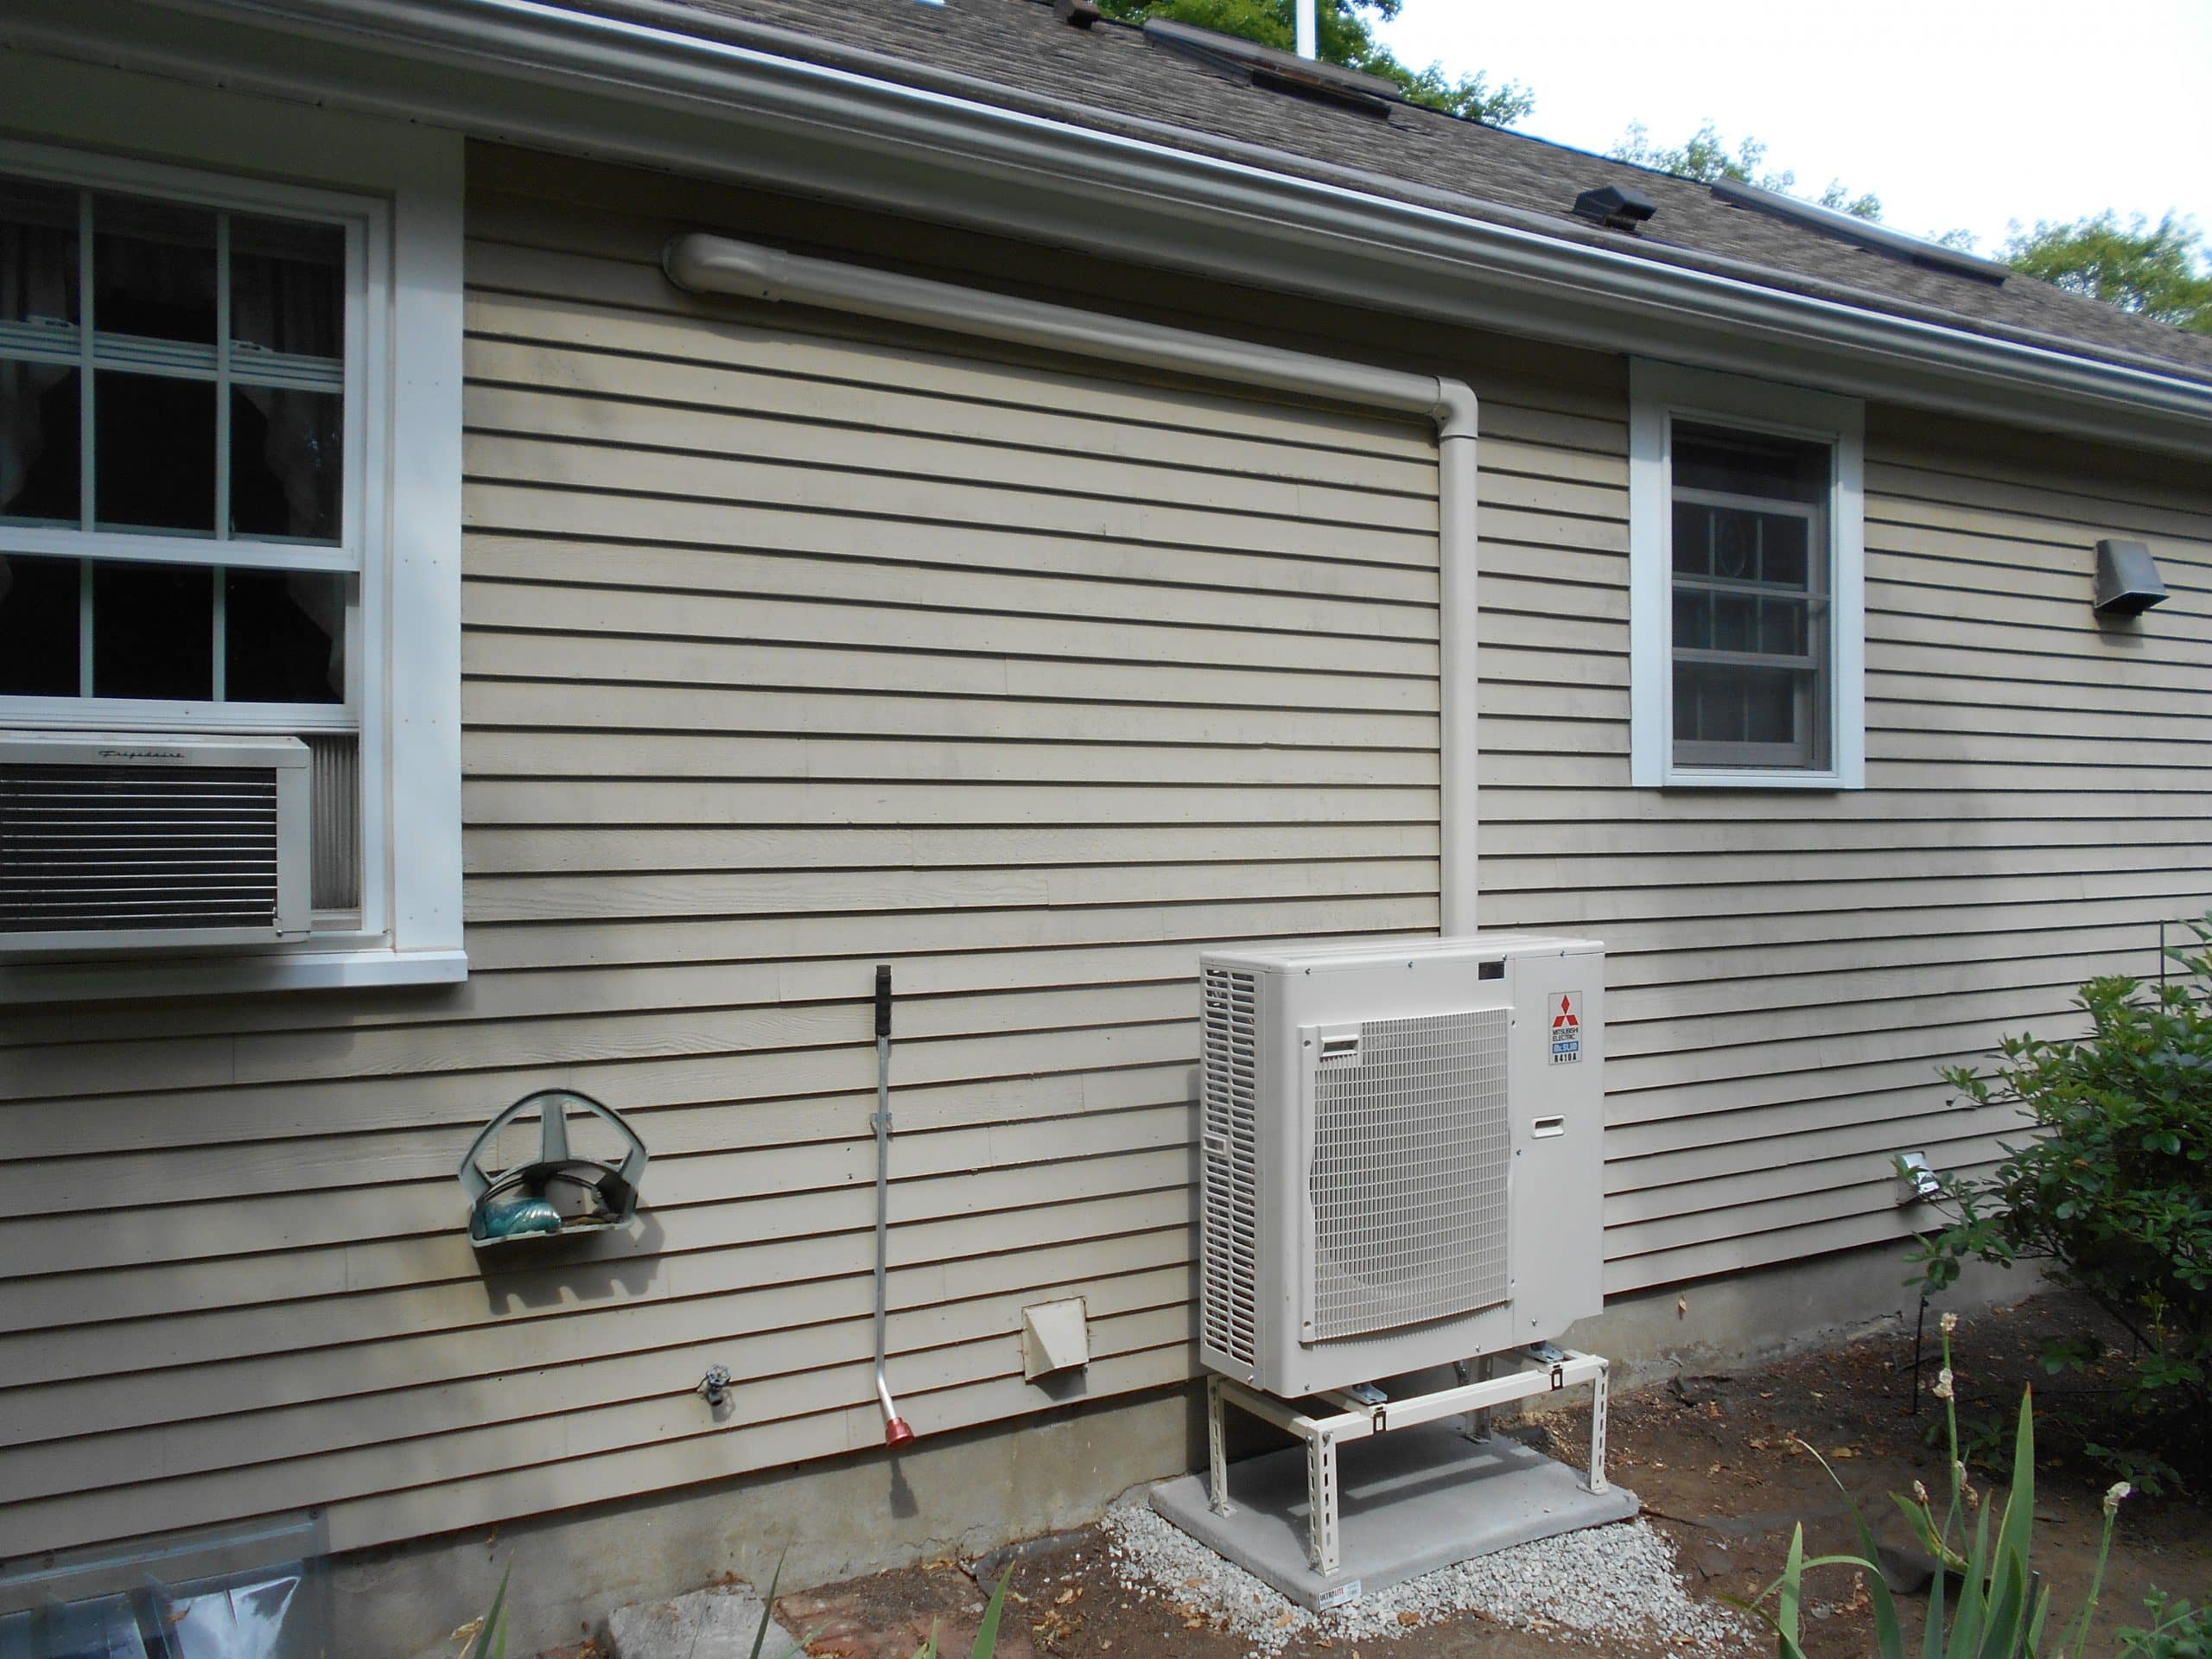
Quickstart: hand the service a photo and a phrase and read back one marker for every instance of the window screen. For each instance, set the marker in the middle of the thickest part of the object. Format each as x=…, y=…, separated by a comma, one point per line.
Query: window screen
x=1750, y=591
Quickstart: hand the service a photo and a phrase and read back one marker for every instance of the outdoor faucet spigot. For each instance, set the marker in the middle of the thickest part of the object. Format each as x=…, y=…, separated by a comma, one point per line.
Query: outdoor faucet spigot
x=715, y=1386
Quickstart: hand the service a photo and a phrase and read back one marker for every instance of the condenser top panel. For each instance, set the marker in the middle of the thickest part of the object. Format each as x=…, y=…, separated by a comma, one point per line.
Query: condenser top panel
x=1319, y=955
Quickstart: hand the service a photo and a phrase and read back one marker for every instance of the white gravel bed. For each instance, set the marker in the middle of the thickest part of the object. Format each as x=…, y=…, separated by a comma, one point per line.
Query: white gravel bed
x=1614, y=1583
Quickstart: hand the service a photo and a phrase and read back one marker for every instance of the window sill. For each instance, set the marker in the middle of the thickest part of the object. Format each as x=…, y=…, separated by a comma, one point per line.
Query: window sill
x=325, y=969
x=1751, y=777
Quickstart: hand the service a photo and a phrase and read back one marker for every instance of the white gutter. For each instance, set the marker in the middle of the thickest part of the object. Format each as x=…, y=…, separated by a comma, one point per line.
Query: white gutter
x=718, y=264
x=536, y=72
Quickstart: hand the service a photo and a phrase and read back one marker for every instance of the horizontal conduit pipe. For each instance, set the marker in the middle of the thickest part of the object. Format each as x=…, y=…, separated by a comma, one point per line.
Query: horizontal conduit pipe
x=705, y=264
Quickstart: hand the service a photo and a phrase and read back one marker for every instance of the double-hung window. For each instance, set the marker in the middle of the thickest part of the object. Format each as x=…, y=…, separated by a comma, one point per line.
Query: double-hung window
x=180, y=417
x=1745, y=573
x=212, y=387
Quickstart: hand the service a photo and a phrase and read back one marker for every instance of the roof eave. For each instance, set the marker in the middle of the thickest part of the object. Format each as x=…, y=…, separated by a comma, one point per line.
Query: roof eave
x=537, y=74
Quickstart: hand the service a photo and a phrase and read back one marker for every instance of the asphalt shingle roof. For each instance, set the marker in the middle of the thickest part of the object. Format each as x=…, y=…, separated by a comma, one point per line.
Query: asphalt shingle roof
x=1019, y=54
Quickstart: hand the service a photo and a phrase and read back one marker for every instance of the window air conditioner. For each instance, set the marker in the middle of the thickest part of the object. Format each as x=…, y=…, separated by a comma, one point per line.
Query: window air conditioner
x=1402, y=1155
x=115, y=840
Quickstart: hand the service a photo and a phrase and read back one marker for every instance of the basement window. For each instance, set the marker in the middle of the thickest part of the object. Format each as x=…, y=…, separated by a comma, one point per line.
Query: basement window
x=1746, y=569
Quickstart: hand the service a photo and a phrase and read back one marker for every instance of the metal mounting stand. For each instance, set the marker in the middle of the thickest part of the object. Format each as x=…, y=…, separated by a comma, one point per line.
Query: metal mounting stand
x=1363, y=1412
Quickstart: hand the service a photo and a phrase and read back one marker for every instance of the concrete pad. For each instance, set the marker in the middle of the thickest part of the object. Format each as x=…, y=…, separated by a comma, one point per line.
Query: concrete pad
x=719, y=1623
x=1410, y=1501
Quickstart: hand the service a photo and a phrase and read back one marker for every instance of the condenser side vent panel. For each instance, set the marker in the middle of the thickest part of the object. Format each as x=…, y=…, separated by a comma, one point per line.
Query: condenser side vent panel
x=1412, y=1156
x=1229, y=1171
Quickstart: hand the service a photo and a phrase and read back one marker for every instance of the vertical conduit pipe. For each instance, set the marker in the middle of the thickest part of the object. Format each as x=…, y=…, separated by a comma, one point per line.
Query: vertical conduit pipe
x=706, y=263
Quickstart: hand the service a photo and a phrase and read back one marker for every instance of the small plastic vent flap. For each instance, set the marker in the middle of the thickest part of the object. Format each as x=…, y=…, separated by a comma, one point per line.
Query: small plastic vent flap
x=1228, y=1176
x=1412, y=1151
x=122, y=849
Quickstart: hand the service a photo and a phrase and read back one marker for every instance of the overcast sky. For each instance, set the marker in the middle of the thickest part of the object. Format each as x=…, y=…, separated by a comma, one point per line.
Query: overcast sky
x=1955, y=112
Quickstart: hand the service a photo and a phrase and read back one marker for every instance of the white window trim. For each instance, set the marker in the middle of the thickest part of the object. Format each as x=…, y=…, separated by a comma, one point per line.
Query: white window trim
x=404, y=507
x=1660, y=394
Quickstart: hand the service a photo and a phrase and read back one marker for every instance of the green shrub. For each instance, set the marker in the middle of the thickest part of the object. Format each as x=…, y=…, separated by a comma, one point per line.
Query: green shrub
x=2177, y=1632
x=2114, y=1197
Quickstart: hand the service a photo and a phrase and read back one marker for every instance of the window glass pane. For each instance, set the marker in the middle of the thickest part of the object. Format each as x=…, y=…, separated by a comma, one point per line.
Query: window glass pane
x=1749, y=463
x=154, y=450
x=288, y=288
x=38, y=254
x=1782, y=627
x=284, y=637
x=1693, y=620
x=287, y=453
x=1735, y=543
x=1735, y=623
x=153, y=269
x=1693, y=539
x=1770, y=707
x=38, y=626
x=1782, y=550
x=41, y=467
x=1718, y=702
x=153, y=630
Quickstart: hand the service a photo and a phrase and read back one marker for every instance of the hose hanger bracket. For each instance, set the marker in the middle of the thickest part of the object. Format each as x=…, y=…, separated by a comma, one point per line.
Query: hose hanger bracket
x=558, y=1193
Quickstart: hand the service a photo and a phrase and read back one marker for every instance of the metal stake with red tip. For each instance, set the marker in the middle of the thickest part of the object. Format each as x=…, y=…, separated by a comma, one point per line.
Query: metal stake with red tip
x=896, y=1430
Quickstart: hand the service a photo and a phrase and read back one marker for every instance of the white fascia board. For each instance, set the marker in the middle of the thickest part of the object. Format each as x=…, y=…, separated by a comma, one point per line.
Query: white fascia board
x=538, y=74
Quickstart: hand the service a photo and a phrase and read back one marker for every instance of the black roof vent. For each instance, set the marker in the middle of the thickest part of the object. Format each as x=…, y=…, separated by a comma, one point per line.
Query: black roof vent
x=1269, y=67
x=1082, y=14
x=1615, y=207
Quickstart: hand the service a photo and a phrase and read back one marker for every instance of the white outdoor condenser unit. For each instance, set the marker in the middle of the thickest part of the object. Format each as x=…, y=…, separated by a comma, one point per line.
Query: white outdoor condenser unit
x=1402, y=1155
x=115, y=840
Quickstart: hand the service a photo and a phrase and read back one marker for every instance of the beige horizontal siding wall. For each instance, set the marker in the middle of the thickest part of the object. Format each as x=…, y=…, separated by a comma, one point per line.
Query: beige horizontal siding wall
x=789, y=649
x=1788, y=971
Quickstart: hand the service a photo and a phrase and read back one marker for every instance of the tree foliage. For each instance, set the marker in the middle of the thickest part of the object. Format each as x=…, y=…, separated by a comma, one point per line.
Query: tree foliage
x=1705, y=156
x=1346, y=37
x=2163, y=271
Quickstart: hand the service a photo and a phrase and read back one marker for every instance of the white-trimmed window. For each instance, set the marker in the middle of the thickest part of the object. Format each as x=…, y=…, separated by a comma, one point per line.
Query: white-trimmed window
x=229, y=500
x=1746, y=573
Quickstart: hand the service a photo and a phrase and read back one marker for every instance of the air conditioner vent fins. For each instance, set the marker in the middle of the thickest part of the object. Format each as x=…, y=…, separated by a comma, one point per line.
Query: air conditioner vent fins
x=1228, y=1179
x=121, y=841
x=103, y=849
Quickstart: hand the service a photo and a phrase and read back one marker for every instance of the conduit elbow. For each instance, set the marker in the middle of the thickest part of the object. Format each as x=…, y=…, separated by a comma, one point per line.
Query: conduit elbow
x=721, y=264
x=1456, y=412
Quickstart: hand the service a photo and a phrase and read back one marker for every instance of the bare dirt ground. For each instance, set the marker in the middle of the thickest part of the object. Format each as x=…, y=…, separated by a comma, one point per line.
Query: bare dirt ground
x=1718, y=1463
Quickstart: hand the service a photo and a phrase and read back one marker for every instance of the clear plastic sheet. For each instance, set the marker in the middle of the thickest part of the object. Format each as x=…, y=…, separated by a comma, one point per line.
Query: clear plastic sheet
x=214, y=1596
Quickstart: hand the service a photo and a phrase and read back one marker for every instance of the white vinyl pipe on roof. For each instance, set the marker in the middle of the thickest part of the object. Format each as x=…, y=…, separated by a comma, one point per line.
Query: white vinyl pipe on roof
x=1309, y=31
x=706, y=263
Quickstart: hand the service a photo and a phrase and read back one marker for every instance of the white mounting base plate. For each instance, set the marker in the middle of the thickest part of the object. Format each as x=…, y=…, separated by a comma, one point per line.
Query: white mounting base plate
x=1412, y=1501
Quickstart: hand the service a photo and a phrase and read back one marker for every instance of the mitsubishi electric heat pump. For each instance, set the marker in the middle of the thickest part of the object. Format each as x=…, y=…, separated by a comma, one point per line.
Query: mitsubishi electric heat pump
x=1402, y=1155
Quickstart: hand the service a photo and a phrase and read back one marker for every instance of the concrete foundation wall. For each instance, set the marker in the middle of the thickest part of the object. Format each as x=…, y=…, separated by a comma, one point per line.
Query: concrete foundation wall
x=957, y=1495
x=966, y=1493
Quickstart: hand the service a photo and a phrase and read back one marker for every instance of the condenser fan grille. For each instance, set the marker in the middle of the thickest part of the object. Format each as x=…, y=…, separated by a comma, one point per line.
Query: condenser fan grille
x=1412, y=1145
